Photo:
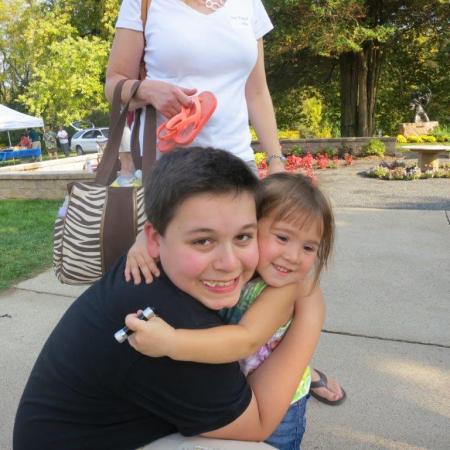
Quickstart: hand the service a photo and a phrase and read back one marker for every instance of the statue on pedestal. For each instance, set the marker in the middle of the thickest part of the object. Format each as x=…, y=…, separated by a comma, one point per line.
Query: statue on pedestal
x=417, y=103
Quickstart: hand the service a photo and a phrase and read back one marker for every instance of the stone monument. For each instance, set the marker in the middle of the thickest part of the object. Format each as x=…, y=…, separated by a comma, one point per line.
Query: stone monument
x=421, y=123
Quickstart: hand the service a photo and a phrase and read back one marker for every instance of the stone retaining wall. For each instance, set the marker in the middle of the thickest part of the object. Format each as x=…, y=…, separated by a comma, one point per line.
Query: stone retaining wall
x=352, y=143
x=48, y=185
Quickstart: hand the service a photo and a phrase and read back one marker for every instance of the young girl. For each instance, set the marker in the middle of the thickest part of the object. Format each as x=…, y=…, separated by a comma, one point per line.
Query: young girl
x=295, y=236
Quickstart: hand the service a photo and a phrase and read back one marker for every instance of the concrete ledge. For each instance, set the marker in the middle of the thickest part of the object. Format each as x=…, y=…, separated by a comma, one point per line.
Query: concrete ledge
x=45, y=179
x=44, y=185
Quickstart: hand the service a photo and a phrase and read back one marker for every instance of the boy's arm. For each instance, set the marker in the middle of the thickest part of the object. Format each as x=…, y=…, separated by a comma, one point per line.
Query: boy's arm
x=217, y=345
x=276, y=380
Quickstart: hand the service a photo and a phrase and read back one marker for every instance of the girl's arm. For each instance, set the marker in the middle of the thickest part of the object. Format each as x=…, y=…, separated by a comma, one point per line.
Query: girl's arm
x=276, y=380
x=262, y=115
x=217, y=345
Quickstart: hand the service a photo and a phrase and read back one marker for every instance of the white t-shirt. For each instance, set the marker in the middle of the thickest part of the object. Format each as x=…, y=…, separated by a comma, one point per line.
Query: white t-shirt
x=63, y=136
x=210, y=52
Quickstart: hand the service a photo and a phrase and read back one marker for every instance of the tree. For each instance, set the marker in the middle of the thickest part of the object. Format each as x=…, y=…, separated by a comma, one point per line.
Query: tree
x=353, y=35
x=68, y=84
x=53, y=56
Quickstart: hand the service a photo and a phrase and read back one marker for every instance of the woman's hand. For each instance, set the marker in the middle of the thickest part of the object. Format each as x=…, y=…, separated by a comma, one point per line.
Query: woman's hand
x=140, y=262
x=165, y=97
x=276, y=165
x=154, y=337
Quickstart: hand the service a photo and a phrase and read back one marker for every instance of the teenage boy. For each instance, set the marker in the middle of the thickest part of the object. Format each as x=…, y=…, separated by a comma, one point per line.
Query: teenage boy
x=86, y=391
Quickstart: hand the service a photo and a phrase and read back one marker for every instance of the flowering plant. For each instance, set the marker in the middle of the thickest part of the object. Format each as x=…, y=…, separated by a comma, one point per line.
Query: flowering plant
x=399, y=171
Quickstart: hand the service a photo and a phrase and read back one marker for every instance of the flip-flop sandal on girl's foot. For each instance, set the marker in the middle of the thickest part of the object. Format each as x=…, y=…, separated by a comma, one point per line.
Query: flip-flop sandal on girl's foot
x=322, y=382
x=203, y=108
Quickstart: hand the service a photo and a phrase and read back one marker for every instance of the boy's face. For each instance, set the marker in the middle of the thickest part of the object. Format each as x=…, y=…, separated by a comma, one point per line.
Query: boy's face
x=209, y=249
x=287, y=251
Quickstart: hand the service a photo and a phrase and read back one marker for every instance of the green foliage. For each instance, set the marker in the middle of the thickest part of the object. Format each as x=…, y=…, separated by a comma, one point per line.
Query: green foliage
x=68, y=83
x=302, y=53
x=427, y=138
x=379, y=172
x=442, y=133
x=401, y=139
x=414, y=139
x=296, y=150
x=330, y=151
x=374, y=147
x=54, y=55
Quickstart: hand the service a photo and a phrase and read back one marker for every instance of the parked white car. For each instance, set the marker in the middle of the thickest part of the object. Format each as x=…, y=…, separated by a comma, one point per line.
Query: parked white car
x=85, y=141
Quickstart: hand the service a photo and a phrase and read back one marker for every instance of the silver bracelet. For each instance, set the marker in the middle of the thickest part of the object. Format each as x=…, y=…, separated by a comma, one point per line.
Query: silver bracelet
x=272, y=157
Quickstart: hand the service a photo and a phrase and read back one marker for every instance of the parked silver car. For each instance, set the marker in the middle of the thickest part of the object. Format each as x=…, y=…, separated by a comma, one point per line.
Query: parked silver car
x=85, y=141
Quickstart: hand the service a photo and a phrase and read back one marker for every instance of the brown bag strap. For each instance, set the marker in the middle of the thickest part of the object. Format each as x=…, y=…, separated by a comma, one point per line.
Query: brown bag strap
x=106, y=171
x=149, y=154
x=145, y=4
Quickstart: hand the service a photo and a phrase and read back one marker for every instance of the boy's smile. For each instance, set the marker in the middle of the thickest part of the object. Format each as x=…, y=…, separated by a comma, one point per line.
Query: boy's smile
x=209, y=249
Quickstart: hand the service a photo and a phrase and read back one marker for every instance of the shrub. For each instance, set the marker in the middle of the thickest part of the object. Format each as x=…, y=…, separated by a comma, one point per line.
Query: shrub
x=399, y=173
x=401, y=139
x=288, y=134
x=442, y=133
x=414, y=139
x=260, y=159
x=296, y=150
x=330, y=151
x=413, y=173
x=374, y=147
x=379, y=172
x=427, y=138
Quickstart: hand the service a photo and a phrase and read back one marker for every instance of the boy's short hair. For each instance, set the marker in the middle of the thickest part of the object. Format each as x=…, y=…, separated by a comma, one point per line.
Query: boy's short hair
x=184, y=173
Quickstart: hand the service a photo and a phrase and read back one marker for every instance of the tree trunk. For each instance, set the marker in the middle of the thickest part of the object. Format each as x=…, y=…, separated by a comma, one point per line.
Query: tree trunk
x=359, y=77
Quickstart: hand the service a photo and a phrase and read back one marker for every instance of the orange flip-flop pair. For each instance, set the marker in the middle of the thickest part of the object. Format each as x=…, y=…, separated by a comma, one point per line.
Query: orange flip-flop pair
x=185, y=126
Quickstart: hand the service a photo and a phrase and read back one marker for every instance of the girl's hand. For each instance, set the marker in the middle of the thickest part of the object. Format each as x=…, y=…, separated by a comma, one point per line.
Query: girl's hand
x=165, y=97
x=139, y=261
x=154, y=337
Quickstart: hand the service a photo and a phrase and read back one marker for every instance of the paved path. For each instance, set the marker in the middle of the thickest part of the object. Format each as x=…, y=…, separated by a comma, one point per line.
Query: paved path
x=387, y=334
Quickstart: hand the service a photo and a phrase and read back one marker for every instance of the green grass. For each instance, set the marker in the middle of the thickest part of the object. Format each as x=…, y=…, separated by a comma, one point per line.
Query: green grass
x=26, y=238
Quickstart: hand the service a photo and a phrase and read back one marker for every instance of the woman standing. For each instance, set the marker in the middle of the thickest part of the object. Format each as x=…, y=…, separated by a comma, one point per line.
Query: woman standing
x=201, y=45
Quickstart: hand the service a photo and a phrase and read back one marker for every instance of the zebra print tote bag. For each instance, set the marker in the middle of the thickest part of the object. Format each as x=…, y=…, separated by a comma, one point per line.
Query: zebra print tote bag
x=101, y=222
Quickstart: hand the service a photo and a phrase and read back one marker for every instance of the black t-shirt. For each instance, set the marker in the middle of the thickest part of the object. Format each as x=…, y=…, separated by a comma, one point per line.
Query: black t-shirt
x=86, y=391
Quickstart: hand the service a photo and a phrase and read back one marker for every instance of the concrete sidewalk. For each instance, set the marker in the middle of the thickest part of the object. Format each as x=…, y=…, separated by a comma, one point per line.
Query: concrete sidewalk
x=386, y=338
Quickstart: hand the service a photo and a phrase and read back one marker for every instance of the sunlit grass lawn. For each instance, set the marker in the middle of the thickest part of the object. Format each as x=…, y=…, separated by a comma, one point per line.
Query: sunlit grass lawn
x=26, y=238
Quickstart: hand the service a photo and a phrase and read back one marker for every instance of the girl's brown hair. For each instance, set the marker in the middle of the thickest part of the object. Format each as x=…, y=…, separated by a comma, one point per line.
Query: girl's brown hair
x=294, y=198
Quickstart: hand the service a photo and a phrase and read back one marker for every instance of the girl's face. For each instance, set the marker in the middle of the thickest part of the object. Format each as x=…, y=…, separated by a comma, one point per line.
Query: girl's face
x=287, y=253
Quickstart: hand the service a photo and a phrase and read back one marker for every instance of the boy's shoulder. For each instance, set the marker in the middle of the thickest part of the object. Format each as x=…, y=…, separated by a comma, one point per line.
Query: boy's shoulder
x=168, y=301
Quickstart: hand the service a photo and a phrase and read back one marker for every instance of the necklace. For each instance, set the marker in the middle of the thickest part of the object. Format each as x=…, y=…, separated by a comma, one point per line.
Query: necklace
x=214, y=4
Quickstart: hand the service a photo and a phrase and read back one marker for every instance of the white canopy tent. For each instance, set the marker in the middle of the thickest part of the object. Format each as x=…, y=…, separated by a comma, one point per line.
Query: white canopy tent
x=15, y=120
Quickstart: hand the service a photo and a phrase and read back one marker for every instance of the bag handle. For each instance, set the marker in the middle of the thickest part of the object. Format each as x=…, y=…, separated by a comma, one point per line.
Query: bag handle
x=149, y=155
x=106, y=171
x=145, y=4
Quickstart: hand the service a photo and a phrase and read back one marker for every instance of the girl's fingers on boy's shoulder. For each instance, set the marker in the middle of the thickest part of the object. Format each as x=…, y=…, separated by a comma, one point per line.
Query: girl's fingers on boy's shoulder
x=153, y=268
x=136, y=275
x=132, y=269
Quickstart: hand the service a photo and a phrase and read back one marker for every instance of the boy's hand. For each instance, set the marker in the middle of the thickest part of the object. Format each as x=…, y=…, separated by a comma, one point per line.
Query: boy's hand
x=139, y=261
x=154, y=337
